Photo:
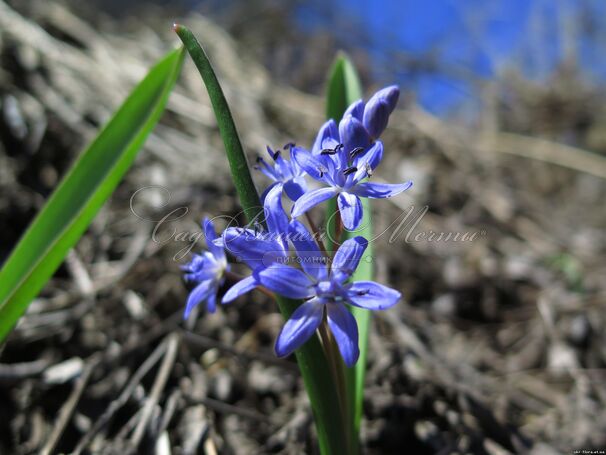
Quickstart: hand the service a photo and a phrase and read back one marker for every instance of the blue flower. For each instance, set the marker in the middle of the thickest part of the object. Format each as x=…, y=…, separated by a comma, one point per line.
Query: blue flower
x=343, y=177
x=342, y=157
x=361, y=126
x=377, y=110
x=208, y=270
x=326, y=291
x=286, y=173
x=258, y=248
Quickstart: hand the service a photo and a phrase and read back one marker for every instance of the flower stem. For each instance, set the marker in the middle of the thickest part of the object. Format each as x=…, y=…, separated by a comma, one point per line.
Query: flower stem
x=338, y=371
x=338, y=229
x=317, y=234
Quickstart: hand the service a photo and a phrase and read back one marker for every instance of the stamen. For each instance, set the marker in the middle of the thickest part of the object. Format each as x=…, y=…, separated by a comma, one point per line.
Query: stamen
x=332, y=151
x=368, y=170
x=322, y=170
x=289, y=145
x=363, y=292
x=350, y=170
x=356, y=151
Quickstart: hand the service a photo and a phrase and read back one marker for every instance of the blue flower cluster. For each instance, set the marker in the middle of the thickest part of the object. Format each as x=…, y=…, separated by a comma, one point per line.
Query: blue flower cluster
x=342, y=159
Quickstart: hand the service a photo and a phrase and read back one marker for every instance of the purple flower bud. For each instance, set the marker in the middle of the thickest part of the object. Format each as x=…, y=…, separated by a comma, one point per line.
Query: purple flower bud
x=355, y=109
x=353, y=134
x=378, y=109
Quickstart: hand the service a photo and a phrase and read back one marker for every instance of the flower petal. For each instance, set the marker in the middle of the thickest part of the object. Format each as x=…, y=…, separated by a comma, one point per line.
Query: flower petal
x=275, y=216
x=200, y=268
x=388, y=94
x=197, y=295
x=311, y=199
x=355, y=109
x=327, y=131
x=348, y=257
x=345, y=330
x=295, y=188
x=311, y=258
x=240, y=288
x=376, y=116
x=299, y=328
x=284, y=280
x=209, y=230
x=378, y=109
x=350, y=207
x=283, y=167
x=211, y=236
x=353, y=134
x=372, y=296
x=370, y=159
x=318, y=167
x=268, y=170
x=379, y=190
x=254, y=249
x=267, y=190
x=211, y=302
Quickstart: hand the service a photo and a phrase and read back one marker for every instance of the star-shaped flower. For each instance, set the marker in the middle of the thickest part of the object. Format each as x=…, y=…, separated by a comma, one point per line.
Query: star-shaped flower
x=326, y=292
x=286, y=173
x=208, y=270
x=344, y=157
x=258, y=248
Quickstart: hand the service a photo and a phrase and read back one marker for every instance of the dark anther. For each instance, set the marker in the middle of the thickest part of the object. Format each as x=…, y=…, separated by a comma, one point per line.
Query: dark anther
x=259, y=159
x=368, y=170
x=321, y=170
x=289, y=145
x=276, y=154
x=328, y=152
x=356, y=151
x=331, y=151
x=350, y=170
x=257, y=167
x=364, y=292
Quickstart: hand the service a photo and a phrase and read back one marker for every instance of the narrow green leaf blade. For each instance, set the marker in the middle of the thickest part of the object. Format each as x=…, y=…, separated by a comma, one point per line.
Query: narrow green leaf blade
x=343, y=89
x=82, y=192
x=310, y=357
x=227, y=127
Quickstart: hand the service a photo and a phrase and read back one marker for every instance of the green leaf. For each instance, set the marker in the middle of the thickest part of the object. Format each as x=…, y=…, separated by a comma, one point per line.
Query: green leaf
x=310, y=357
x=233, y=148
x=343, y=89
x=82, y=192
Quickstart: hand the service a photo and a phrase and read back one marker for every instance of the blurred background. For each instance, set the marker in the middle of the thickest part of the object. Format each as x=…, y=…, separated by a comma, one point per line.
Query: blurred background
x=499, y=346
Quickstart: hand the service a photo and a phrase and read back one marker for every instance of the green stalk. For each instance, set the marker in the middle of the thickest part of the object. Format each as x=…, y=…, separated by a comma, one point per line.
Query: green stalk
x=314, y=367
x=338, y=370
